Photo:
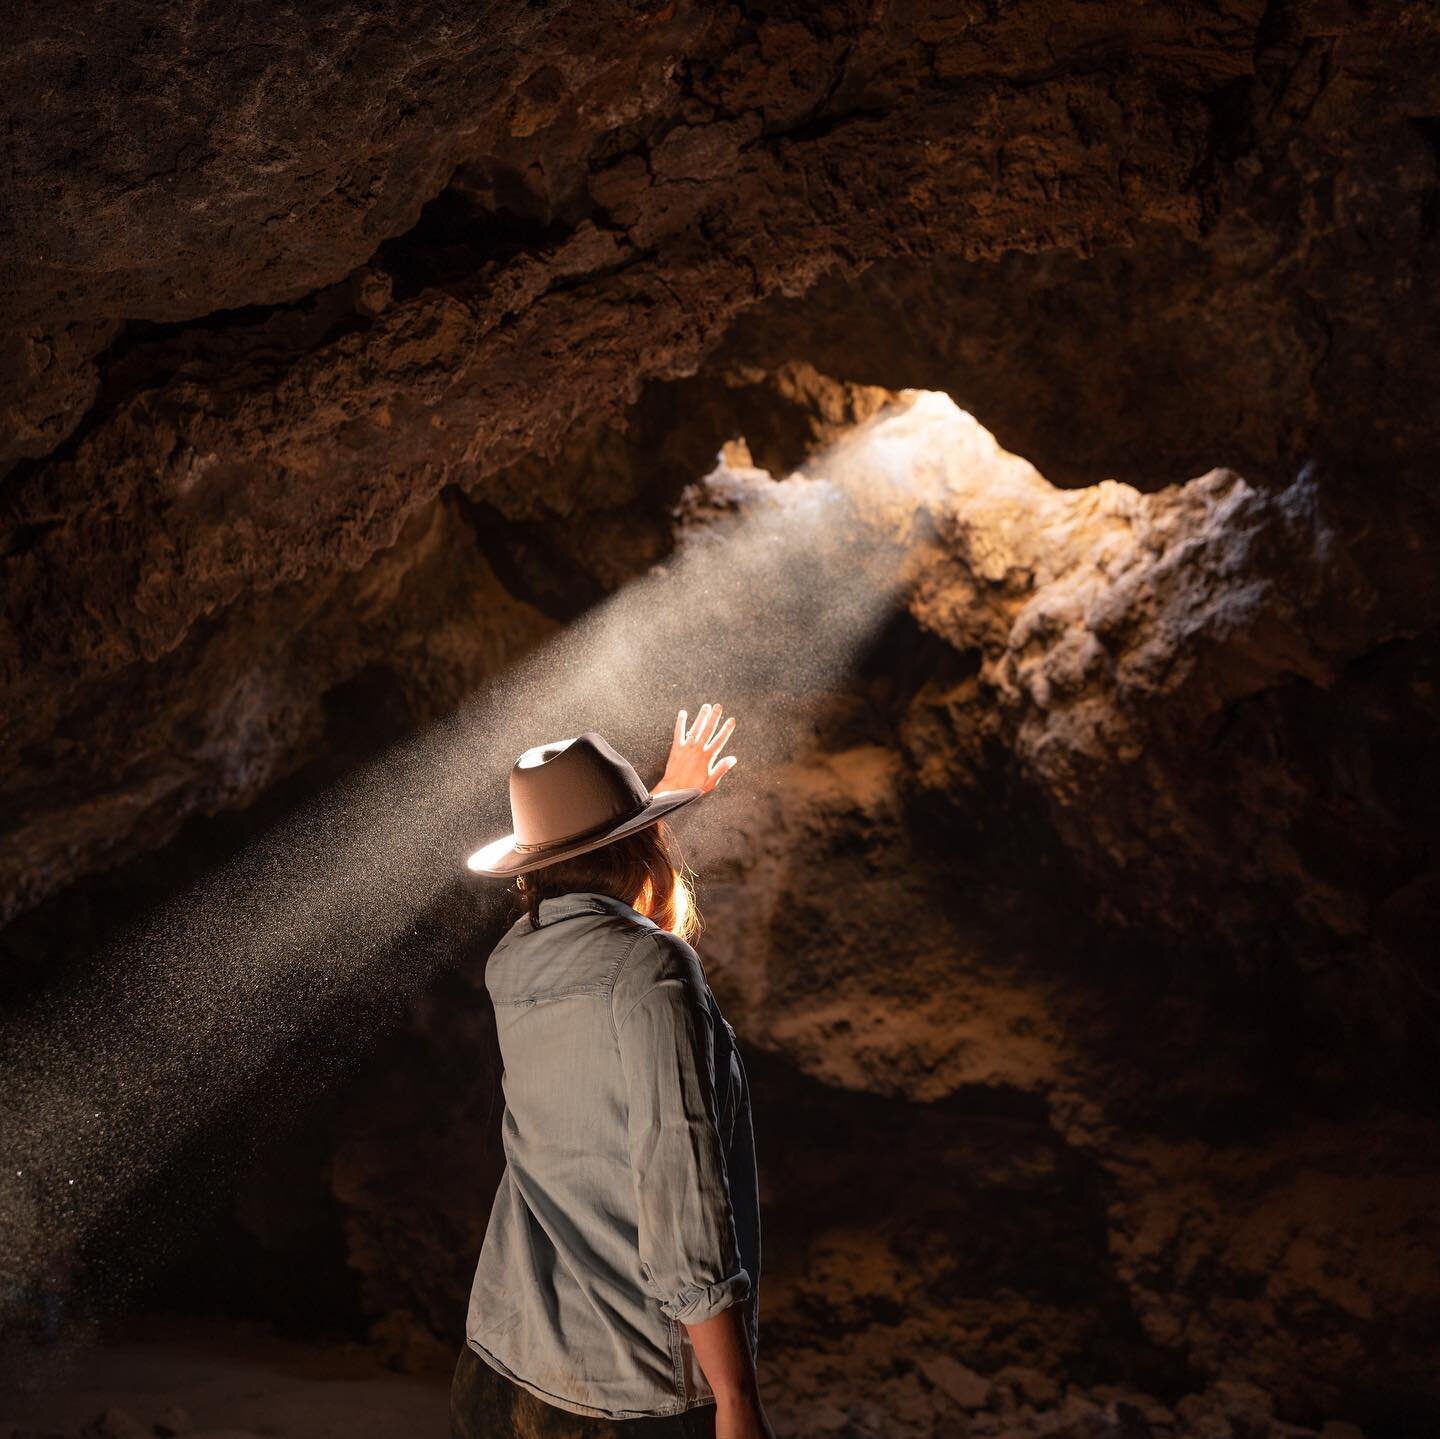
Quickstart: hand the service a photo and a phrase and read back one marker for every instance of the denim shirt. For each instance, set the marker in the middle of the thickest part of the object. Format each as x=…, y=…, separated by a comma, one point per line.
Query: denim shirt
x=629, y=1206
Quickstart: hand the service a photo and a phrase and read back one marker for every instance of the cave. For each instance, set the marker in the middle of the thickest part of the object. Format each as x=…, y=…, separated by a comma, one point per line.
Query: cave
x=1021, y=417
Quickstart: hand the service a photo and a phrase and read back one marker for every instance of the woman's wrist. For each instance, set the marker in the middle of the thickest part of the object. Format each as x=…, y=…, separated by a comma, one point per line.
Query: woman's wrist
x=738, y=1395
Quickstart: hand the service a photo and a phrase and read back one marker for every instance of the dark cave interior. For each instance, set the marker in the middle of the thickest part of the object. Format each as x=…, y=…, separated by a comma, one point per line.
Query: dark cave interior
x=1021, y=417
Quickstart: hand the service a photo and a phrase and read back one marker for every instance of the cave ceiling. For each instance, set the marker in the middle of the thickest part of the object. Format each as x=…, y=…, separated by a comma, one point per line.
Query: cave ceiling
x=276, y=279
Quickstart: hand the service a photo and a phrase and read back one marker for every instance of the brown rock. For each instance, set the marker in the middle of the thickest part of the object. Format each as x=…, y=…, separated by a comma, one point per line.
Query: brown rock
x=965, y=1387
x=174, y=1422
x=1029, y=1384
x=117, y=1424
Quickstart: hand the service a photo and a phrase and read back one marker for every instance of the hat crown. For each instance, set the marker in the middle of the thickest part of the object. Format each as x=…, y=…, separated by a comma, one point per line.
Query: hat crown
x=567, y=789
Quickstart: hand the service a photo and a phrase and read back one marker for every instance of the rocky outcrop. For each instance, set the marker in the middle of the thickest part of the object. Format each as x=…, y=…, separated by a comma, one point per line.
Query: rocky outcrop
x=267, y=299
x=332, y=665
x=462, y=347
x=1081, y=1153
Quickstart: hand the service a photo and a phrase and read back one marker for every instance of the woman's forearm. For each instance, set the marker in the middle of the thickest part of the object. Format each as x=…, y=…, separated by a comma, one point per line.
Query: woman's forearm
x=724, y=1355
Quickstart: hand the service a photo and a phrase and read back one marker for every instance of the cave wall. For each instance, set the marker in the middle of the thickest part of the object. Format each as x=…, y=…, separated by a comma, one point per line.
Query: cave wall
x=1045, y=1145
x=350, y=355
x=269, y=296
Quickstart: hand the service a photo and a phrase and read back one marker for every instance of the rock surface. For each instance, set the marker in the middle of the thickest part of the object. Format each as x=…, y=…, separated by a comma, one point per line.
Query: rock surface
x=1028, y=1118
x=269, y=297
x=1080, y=932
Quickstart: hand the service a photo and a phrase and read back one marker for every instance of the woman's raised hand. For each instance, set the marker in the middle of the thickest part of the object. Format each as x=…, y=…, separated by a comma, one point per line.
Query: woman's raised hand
x=695, y=761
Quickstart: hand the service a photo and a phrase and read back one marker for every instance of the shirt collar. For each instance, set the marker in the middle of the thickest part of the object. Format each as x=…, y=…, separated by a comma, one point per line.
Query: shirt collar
x=584, y=901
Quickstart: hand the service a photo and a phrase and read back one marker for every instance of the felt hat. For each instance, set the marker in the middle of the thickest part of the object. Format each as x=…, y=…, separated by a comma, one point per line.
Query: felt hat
x=568, y=797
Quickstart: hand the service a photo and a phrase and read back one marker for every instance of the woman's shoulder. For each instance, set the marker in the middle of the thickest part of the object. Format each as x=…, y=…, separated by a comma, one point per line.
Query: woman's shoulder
x=517, y=927
x=657, y=957
x=577, y=958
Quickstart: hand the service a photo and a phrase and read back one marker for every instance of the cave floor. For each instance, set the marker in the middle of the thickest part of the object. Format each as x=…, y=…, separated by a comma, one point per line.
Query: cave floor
x=227, y=1380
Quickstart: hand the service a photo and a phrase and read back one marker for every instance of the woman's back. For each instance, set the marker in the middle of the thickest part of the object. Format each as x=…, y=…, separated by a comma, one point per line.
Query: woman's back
x=629, y=1206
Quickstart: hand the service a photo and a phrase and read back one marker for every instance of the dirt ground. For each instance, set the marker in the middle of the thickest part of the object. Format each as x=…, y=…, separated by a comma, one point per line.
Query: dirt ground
x=209, y=1380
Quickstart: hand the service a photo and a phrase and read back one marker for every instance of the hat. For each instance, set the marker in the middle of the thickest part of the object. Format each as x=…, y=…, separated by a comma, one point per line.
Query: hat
x=569, y=797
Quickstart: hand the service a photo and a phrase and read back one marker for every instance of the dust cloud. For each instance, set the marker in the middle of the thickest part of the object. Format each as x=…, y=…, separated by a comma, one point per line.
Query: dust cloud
x=772, y=589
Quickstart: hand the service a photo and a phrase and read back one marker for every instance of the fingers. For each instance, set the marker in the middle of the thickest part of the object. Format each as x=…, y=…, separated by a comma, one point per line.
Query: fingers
x=707, y=731
x=697, y=734
x=722, y=768
x=714, y=728
x=721, y=735
x=717, y=767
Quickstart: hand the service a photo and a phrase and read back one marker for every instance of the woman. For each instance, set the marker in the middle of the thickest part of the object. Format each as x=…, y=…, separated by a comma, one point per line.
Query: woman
x=619, y=1277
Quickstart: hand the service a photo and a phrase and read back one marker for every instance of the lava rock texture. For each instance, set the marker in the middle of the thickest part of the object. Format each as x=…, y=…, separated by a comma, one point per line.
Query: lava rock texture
x=351, y=352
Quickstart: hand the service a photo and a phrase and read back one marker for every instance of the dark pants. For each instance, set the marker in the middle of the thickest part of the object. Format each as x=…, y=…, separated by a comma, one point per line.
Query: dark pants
x=484, y=1404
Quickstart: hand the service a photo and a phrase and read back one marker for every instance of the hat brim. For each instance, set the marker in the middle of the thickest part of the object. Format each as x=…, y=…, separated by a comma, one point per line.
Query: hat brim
x=500, y=859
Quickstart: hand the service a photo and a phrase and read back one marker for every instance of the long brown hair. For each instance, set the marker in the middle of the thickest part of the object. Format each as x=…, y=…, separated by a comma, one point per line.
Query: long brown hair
x=645, y=869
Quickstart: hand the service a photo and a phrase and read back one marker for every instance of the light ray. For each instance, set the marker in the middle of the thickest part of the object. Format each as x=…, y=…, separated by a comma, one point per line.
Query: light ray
x=773, y=588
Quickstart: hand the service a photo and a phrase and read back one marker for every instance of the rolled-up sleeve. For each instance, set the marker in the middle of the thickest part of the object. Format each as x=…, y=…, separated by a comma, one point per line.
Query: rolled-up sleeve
x=687, y=1238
